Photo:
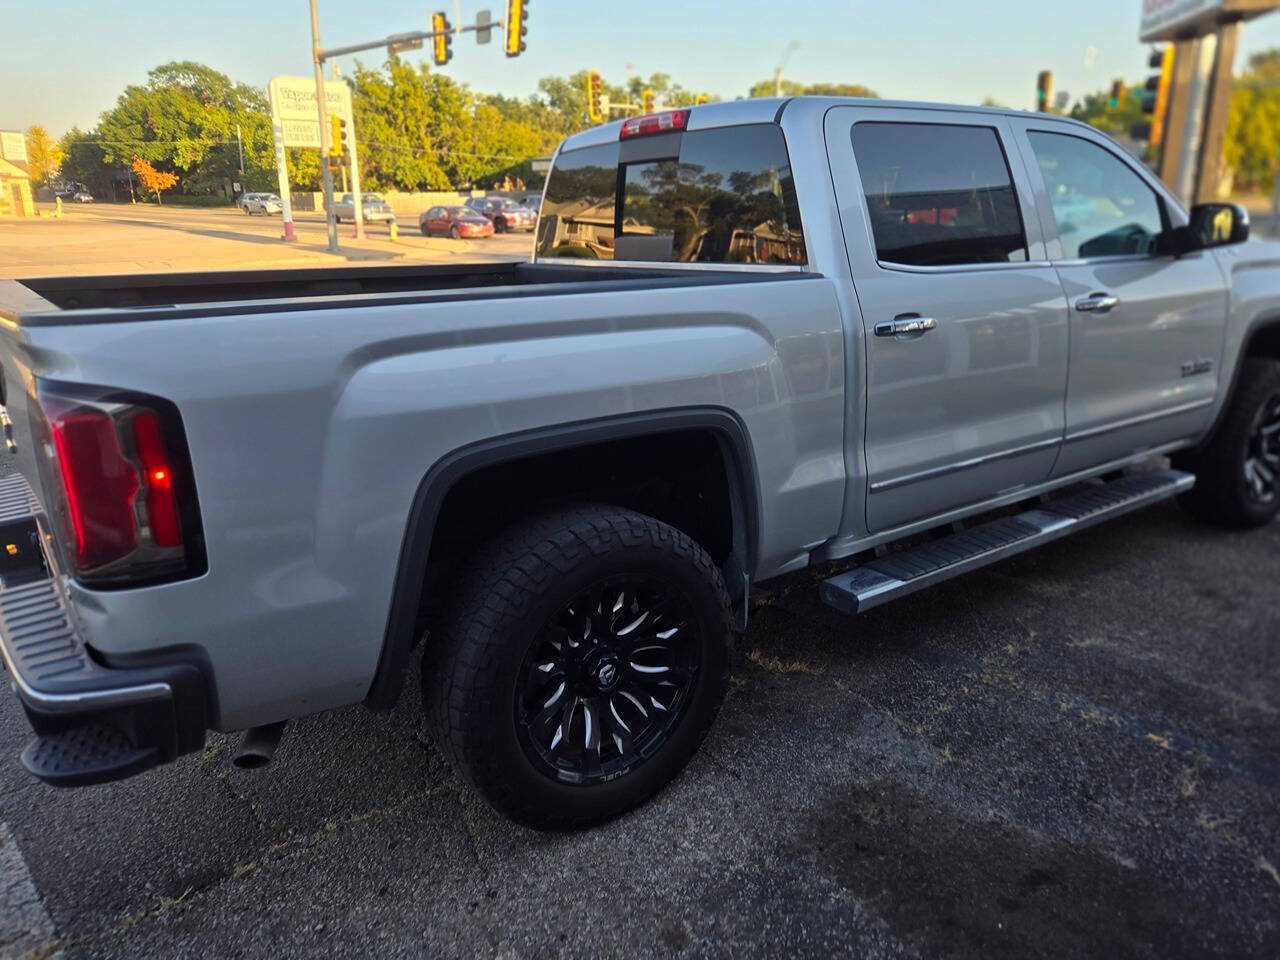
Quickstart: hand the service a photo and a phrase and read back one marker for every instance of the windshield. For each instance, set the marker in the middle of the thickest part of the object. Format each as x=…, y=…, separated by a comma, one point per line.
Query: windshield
x=460, y=211
x=370, y=198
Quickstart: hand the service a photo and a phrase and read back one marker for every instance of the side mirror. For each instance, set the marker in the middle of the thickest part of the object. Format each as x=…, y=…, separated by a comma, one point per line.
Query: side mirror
x=1217, y=224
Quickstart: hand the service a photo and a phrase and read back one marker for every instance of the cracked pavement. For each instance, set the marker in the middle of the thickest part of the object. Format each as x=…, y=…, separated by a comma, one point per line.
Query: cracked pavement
x=1075, y=752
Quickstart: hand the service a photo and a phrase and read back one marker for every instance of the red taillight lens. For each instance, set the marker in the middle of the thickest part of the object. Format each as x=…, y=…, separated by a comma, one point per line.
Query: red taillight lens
x=100, y=485
x=665, y=122
x=117, y=470
x=157, y=474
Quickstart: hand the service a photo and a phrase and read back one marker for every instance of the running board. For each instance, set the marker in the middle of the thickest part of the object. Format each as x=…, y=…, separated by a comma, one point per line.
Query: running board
x=898, y=574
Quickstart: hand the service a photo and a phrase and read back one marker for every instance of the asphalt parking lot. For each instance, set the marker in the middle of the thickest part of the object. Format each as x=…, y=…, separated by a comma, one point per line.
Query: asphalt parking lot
x=1075, y=753
x=109, y=238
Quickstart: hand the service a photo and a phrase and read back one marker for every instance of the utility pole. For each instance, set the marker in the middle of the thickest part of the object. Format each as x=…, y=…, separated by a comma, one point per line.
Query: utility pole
x=240, y=149
x=331, y=227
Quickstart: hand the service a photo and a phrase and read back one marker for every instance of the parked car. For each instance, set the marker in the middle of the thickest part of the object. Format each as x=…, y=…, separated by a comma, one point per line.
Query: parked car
x=505, y=213
x=456, y=222
x=82, y=196
x=374, y=208
x=252, y=495
x=252, y=203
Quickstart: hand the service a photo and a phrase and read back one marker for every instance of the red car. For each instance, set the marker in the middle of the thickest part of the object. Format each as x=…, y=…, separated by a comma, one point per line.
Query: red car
x=456, y=222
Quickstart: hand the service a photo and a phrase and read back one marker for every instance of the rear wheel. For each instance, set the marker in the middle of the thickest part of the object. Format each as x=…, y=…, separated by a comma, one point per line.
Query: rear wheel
x=423, y=228
x=455, y=233
x=1238, y=472
x=584, y=659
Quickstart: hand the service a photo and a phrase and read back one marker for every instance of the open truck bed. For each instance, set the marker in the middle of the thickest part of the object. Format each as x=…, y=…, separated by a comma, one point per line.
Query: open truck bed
x=98, y=299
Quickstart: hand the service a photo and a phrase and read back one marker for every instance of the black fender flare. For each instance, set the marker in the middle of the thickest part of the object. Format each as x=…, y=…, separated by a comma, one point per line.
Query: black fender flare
x=406, y=598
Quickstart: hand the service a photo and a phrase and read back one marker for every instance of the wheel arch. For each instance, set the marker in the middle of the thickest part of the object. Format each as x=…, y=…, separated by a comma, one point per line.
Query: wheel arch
x=732, y=441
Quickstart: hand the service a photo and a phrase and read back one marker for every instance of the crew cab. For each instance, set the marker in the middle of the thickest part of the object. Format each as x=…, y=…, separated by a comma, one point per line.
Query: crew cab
x=752, y=336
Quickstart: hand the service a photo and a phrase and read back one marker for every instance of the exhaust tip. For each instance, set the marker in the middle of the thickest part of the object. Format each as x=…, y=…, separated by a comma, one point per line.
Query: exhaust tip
x=258, y=746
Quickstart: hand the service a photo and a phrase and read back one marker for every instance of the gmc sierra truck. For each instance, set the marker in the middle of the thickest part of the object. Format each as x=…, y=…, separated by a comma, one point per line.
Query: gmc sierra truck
x=752, y=336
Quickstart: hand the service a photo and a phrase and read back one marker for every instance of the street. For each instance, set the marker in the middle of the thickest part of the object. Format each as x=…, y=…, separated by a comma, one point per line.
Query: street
x=1074, y=753
x=121, y=238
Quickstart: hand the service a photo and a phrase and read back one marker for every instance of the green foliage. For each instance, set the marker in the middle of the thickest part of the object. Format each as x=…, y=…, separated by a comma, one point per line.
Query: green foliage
x=765, y=88
x=1252, y=148
x=184, y=121
x=1095, y=110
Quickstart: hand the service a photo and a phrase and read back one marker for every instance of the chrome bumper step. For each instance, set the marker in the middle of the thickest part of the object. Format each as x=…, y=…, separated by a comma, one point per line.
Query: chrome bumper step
x=898, y=574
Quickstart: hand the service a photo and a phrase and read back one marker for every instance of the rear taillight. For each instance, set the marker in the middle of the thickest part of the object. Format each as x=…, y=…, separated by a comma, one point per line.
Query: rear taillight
x=665, y=122
x=120, y=472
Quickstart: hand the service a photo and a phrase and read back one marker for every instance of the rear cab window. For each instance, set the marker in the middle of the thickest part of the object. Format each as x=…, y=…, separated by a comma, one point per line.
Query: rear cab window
x=724, y=195
x=938, y=194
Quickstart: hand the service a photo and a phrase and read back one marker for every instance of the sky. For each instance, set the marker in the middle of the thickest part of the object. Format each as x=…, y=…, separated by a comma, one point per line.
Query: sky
x=65, y=62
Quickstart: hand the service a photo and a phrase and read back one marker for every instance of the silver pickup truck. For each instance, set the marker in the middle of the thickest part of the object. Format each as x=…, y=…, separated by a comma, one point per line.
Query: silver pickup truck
x=753, y=336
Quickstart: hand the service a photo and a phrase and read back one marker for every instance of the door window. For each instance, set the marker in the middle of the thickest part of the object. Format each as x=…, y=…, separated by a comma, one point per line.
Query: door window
x=1102, y=207
x=938, y=194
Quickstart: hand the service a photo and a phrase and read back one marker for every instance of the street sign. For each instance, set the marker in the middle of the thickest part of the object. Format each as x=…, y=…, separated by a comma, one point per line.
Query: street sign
x=293, y=108
x=1173, y=19
x=540, y=164
x=13, y=146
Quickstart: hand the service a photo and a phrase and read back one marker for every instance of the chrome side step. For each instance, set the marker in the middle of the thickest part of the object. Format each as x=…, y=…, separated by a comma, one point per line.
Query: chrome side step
x=898, y=574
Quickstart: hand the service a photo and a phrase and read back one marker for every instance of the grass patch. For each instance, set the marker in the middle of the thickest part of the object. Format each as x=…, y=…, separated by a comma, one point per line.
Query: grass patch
x=776, y=665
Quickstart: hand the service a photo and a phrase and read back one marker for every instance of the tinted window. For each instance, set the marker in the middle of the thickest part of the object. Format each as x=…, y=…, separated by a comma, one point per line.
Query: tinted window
x=727, y=196
x=938, y=195
x=1103, y=208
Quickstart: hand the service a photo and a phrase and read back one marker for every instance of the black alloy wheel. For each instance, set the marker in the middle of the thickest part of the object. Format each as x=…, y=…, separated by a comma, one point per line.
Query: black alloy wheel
x=581, y=660
x=1238, y=468
x=607, y=679
x=1262, y=459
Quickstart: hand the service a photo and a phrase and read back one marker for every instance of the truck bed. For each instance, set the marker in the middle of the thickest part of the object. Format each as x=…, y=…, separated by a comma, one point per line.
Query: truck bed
x=64, y=300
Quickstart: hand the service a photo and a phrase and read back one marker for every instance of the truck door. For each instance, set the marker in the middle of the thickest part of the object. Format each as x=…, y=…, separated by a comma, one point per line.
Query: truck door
x=1147, y=327
x=965, y=322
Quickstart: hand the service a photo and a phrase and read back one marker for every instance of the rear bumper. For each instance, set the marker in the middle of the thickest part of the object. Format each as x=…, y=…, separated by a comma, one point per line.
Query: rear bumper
x=93, y=722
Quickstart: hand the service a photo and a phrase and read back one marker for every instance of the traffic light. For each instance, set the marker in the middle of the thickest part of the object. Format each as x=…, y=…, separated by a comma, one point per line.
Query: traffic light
x=441, y=40
x=646, y=102
x=1117, y=95
x=335, y=135
x=595, y=109
x=344, y=135
x=1157, y=91
x=1044, y=90
x=517, y=26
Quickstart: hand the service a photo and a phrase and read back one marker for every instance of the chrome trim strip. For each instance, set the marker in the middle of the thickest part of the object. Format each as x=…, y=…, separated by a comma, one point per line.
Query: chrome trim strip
x=81, y=700
x=883, y=485
x=1140, y=418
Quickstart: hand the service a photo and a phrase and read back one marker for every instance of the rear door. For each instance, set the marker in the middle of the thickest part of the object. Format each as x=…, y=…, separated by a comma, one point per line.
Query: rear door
x=1147, y=327
x=965, y=323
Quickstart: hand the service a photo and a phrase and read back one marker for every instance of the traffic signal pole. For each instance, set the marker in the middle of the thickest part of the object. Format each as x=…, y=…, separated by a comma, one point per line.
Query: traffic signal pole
x=331, y=225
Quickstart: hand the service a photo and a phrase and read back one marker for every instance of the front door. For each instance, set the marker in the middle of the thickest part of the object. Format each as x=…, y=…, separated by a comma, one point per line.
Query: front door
x=965, y=323
x=1147, y=327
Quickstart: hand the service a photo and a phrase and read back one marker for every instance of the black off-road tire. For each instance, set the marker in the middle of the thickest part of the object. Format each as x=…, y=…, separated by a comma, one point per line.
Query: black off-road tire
x=503, y=600
x=1222, y=495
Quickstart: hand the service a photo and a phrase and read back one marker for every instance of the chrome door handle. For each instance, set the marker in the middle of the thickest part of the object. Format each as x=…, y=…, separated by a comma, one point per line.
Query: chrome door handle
x=900, y=325
x=1096, y=303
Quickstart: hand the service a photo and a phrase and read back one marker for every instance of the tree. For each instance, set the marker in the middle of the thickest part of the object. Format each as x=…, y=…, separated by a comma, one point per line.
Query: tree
x=1252, y=144
x=153, y=179
x=44, y=155
x=1095, y=109
x=184, y=119
x=765, y=88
